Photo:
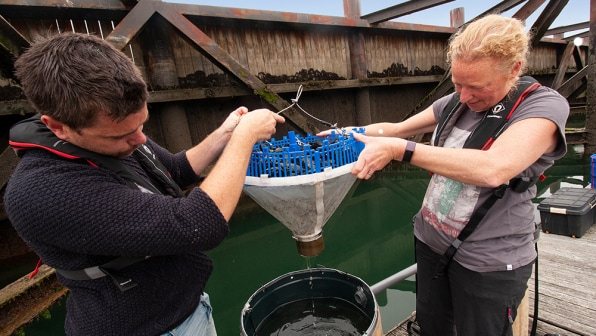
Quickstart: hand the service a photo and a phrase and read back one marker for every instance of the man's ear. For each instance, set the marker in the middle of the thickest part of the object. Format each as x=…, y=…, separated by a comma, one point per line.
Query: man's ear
x=58, y=128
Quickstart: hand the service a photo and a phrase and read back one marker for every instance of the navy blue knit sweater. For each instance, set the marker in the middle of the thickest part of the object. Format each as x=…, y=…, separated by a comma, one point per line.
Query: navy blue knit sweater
x=74, y=216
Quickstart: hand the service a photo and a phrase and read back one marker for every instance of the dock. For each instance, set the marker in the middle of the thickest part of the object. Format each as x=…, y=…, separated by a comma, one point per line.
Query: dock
x=566, y=288
x=566, y=285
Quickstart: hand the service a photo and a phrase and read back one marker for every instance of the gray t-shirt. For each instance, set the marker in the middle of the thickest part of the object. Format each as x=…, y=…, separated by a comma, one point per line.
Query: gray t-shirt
x=503, y=239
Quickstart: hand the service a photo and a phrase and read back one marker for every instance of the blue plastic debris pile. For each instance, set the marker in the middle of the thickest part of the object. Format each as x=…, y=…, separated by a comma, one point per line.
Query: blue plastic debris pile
x=295, y=155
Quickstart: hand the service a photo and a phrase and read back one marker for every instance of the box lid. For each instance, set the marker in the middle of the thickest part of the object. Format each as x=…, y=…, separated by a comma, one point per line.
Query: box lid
x=572, y=201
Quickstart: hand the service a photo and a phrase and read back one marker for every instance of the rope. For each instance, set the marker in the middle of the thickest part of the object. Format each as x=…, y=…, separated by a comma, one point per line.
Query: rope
x=295, y=102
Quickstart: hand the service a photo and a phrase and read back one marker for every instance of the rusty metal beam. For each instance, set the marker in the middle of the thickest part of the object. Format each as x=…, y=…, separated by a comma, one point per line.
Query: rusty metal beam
x=528, y=9
x=132, y=24
x=499, y=8
x=107, y=10
x=582, y=35
x=299, y=18
x=221, y=58
x=579, y=94
x=23, y=107
x=402, y=9
x=83, y=4
x=563, y=65
x=12, y=44
x=11, y=39
x=573, y=83
x=115, y=10
x=564, y=29
x=546, y=18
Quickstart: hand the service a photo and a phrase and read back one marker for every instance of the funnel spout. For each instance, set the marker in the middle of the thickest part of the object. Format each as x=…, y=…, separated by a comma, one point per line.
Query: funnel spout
x=311, y=247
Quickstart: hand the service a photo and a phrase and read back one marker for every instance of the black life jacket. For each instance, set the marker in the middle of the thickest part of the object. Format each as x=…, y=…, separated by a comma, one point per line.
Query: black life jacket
x=33, y=133
x=494, y=121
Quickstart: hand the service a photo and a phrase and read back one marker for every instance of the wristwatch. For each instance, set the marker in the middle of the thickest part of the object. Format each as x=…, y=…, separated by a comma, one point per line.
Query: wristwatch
x=410, y=146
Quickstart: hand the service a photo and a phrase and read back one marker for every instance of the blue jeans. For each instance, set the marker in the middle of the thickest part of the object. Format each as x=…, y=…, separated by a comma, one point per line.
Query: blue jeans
x=199, y=323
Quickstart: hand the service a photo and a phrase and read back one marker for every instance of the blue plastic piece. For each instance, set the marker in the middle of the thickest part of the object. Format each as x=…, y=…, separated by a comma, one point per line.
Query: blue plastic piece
x=294, y=155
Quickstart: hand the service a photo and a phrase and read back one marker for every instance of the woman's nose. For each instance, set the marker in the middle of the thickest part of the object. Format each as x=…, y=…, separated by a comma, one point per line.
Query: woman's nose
x=464, y=95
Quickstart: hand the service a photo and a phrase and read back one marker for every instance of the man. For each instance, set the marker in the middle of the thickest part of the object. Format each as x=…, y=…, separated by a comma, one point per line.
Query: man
x=100, y=202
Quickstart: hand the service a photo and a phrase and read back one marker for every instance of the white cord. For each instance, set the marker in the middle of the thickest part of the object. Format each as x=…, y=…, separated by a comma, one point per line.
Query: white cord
x=295, y=102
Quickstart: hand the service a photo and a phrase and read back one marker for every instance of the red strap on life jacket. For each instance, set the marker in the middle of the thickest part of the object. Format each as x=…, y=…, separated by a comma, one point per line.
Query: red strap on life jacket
x=36, y=270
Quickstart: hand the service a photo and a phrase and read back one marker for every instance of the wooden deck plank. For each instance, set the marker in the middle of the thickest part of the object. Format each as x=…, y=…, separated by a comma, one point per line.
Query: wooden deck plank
x=566, y=284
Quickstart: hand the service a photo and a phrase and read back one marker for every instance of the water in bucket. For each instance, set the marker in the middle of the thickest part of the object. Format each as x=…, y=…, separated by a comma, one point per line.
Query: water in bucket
x=329, y=316
x=315, y=302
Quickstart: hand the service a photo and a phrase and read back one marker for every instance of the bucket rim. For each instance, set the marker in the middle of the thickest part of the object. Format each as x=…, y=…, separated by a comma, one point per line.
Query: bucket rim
x=320, y=271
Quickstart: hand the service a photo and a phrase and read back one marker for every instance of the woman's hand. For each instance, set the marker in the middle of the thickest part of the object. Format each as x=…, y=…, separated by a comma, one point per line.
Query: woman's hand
x=377, y=153
x=343, y=130
x=233, y=119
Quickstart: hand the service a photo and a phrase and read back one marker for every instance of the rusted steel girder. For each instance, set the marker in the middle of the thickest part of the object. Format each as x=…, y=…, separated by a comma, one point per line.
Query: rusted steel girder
x=564, y=29
x=501, y=7
x=116, y=10
x=83, y=4
x=563, y=65
x=12, y=44
x=401, y=9
x=577, y=82
x=546, y=18
x=131, y=25
x=527, y=9
x=573, y=37
x=140, y=14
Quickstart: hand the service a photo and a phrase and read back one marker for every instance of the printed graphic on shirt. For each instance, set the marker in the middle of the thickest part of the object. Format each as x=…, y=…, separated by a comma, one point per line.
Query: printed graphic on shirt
x=448, y=204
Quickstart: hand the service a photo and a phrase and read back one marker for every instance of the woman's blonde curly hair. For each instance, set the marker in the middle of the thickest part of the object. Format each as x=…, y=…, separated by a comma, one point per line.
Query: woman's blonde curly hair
x=493, y=36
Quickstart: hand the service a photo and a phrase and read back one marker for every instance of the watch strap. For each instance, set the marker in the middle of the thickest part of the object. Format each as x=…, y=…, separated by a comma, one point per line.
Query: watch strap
x=410, y=146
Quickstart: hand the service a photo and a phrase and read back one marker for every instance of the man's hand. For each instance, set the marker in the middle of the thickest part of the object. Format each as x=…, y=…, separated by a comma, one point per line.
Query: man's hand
x=258, y=125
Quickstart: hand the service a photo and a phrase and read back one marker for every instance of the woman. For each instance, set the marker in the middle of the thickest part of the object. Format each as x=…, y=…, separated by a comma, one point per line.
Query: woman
x=479, y=290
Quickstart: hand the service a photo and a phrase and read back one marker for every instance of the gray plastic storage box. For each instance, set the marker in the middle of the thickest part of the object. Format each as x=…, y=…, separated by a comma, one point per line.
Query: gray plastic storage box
x=569, y=211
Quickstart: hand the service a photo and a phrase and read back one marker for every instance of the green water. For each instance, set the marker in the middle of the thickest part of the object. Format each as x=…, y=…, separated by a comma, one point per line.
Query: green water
x=369, y=236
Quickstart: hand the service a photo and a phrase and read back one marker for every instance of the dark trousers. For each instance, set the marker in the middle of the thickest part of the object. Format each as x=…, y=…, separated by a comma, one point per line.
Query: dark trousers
x=466, y=303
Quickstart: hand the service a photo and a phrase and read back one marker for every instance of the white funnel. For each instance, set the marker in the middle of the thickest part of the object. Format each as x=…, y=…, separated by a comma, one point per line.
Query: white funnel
x=303, y=203
x=301, y=198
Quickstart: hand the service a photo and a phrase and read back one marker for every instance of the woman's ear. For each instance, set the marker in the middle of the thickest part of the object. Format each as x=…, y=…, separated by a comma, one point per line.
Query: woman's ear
x=516, y=68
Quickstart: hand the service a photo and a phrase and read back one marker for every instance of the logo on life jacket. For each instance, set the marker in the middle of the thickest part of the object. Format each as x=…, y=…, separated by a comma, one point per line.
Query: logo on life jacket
x=498, y=108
